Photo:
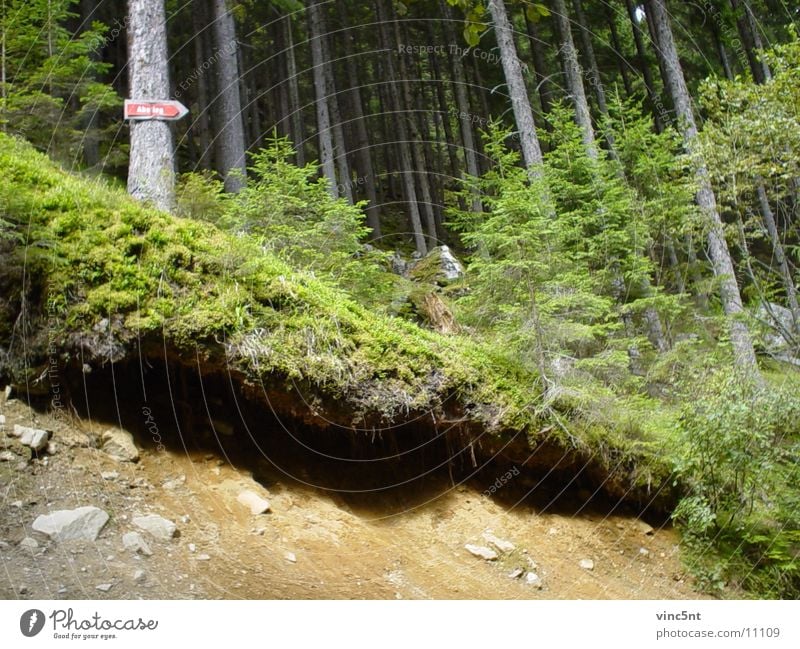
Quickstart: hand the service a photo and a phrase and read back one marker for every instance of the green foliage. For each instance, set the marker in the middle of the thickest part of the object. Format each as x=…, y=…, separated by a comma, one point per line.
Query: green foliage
x=737, y=445
x=52, y=96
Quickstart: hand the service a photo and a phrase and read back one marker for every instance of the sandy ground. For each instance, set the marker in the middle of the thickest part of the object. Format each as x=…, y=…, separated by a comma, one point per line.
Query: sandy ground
x=344, y=547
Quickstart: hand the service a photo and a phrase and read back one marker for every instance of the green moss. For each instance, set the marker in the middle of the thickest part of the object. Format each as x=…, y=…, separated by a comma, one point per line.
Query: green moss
x=193, y=284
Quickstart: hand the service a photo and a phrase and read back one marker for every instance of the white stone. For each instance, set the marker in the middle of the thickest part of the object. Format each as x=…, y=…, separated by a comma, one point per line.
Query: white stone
x=500, y=544
x=644, y=528
x=8, y=392
x=28, y=543
x=119, y=444
x=139, y=575
x=7, y=456
x=481, y=552
x=104, y=587
x=134, y=542
x=109, y=475
x=586, y=564
x=291, y=557
x=516, y=573
x=35, y=438
x=254, y=502
x=203, y=557
x=532, y=579
x=156, y=526
x=192, y=547
x=83, y=523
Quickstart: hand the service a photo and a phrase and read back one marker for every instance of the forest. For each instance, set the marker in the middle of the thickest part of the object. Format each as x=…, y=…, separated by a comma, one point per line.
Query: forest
x=574, y=220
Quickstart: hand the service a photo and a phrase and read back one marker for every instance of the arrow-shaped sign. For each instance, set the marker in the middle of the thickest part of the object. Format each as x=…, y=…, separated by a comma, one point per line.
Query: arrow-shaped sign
x=169, y=109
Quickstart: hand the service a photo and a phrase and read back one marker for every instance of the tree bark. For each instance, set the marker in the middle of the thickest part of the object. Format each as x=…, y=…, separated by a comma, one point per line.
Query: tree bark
x=362, y=153
x=751, y=40
x=647, y=75
x=229, y=128
x=201, y=124
x=539, y=66
x=523, y=115
x=622, y=62
x=463, y=107
x=298, y=133
x=325, y=134
x=778, y=252
x=722, y=263
x=406, y=167
x=574, y=78
x=151, y=170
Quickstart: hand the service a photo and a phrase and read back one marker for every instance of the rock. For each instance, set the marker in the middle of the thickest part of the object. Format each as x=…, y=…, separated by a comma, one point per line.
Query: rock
x=644, y=528
x=516, y=573
x=779, y=332
x=586, y=564
x=290, y=557
x=17, y=504
x=192, y=547
x=185, y=519
x=139, y=575
x=500, y=544
x=156, y=526
x=119, y=444
x=51, y=448
x=256, y=503
x=109, y=475
x=481, y=552
x=439, y=266
x=7, y=456
x=28, y=543
x=644, y=552
x=134, y=542
x=35, y=438
x=203, y=557
x=532, y=579
x=174, y=483
x=83, y=523
x=104, y=587
x=2, y=422
x=8, y=392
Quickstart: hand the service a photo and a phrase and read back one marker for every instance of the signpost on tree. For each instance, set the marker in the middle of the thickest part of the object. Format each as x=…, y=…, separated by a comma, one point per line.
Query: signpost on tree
x=170, y=110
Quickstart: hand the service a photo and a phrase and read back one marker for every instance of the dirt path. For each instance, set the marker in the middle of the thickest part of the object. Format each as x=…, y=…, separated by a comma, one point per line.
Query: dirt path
x=312, y=544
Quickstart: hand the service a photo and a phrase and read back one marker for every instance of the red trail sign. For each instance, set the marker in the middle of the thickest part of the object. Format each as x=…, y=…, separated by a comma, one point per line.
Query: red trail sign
x=147, y=109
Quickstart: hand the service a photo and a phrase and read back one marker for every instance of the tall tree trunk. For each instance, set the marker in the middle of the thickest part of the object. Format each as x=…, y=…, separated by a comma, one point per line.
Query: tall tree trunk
x=340, y=146
x=778, y=252
x=539, y=66
x=751, y=40
x=362, y=153
x=531, y=151
x=406, y=167
x=720, y=47
x=298, y=133
x=616, y=44
x=463, y=107
x=229, y=128
x=722, y=263
x=151, y=170
x=647, y=75
x=420, y=169
x=324, y=130
x=201, y=125
x=574, y=78
x=91, y=146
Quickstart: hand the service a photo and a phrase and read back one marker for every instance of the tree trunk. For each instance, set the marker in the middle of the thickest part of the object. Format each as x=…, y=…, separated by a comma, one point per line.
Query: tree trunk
x=362, y=152
x=463, y=107
x=324, y=131
x=151, y=170
x=622, y=62
x=531, y=151
x=201, y=125
x=229, y=128
x=574, y=78
x=406, y=167
x=751, y=40
x=340, y=146
x=91, y=146
x=777, y=248
x=298, y=133
x=722, y=263
x=539, y=66
x=641, y=55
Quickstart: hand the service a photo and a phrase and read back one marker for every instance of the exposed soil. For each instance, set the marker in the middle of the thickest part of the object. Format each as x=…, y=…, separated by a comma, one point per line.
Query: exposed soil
x=402, y=542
